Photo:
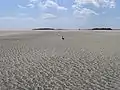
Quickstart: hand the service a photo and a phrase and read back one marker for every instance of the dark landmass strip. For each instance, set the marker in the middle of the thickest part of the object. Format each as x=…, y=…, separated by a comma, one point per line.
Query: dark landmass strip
x=59, y=29
x=101, y=29
x=67, y=29
x=43, y=29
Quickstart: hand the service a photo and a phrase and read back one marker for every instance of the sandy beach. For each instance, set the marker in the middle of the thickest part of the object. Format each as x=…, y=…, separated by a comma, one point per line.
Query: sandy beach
x=41, y=60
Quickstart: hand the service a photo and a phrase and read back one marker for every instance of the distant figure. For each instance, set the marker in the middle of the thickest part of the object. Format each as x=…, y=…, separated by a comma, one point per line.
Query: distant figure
x=63, y=38
x=58, y=34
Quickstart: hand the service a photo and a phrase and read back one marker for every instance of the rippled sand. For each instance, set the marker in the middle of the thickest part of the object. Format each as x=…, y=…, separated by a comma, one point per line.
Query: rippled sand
x=41, y=60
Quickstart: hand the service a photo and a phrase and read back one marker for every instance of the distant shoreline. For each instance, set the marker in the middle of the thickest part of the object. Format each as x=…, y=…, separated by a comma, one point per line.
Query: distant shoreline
x=30, y=29
x=9, y=33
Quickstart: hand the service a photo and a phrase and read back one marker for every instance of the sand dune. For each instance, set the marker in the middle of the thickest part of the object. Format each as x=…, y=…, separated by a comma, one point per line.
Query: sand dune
x=37, y=60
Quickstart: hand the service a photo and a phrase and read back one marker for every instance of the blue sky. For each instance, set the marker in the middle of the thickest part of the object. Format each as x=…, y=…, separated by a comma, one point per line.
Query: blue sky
x=59, y=13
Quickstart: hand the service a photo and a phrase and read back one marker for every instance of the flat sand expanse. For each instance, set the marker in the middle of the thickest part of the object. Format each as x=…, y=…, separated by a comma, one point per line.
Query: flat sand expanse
x=92, y=40
x=41, y=60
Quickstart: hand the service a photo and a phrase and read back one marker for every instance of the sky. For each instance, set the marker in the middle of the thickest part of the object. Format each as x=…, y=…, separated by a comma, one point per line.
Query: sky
x=59, y=13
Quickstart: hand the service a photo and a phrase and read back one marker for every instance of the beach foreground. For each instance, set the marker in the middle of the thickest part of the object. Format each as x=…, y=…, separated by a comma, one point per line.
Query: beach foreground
x=38, y=60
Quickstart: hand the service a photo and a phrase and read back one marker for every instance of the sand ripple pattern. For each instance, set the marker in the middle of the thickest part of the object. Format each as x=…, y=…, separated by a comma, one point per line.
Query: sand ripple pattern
x=28, y=68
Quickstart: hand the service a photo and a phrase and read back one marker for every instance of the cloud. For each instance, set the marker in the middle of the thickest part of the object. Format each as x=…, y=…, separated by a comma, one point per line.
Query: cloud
x=51, y=4
x=84, y=2
x=84, y=13
x=48, y=16
x=97, y=3
x=33, y=1
x=31, y=5
x=62, y=8
x=27, y=6
x=49, y=9
x=45, y=4
x=107, y=3
x=80, y=10
x=20, y=6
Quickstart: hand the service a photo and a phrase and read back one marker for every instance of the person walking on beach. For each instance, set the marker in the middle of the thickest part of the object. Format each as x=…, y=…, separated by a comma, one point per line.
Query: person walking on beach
x=63, y=38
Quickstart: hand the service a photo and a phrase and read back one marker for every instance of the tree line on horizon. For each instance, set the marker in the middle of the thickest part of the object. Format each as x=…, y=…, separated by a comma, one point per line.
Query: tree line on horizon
x=78, y=29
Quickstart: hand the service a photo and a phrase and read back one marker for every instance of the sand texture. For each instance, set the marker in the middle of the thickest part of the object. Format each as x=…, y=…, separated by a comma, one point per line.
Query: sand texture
x=38, y=60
